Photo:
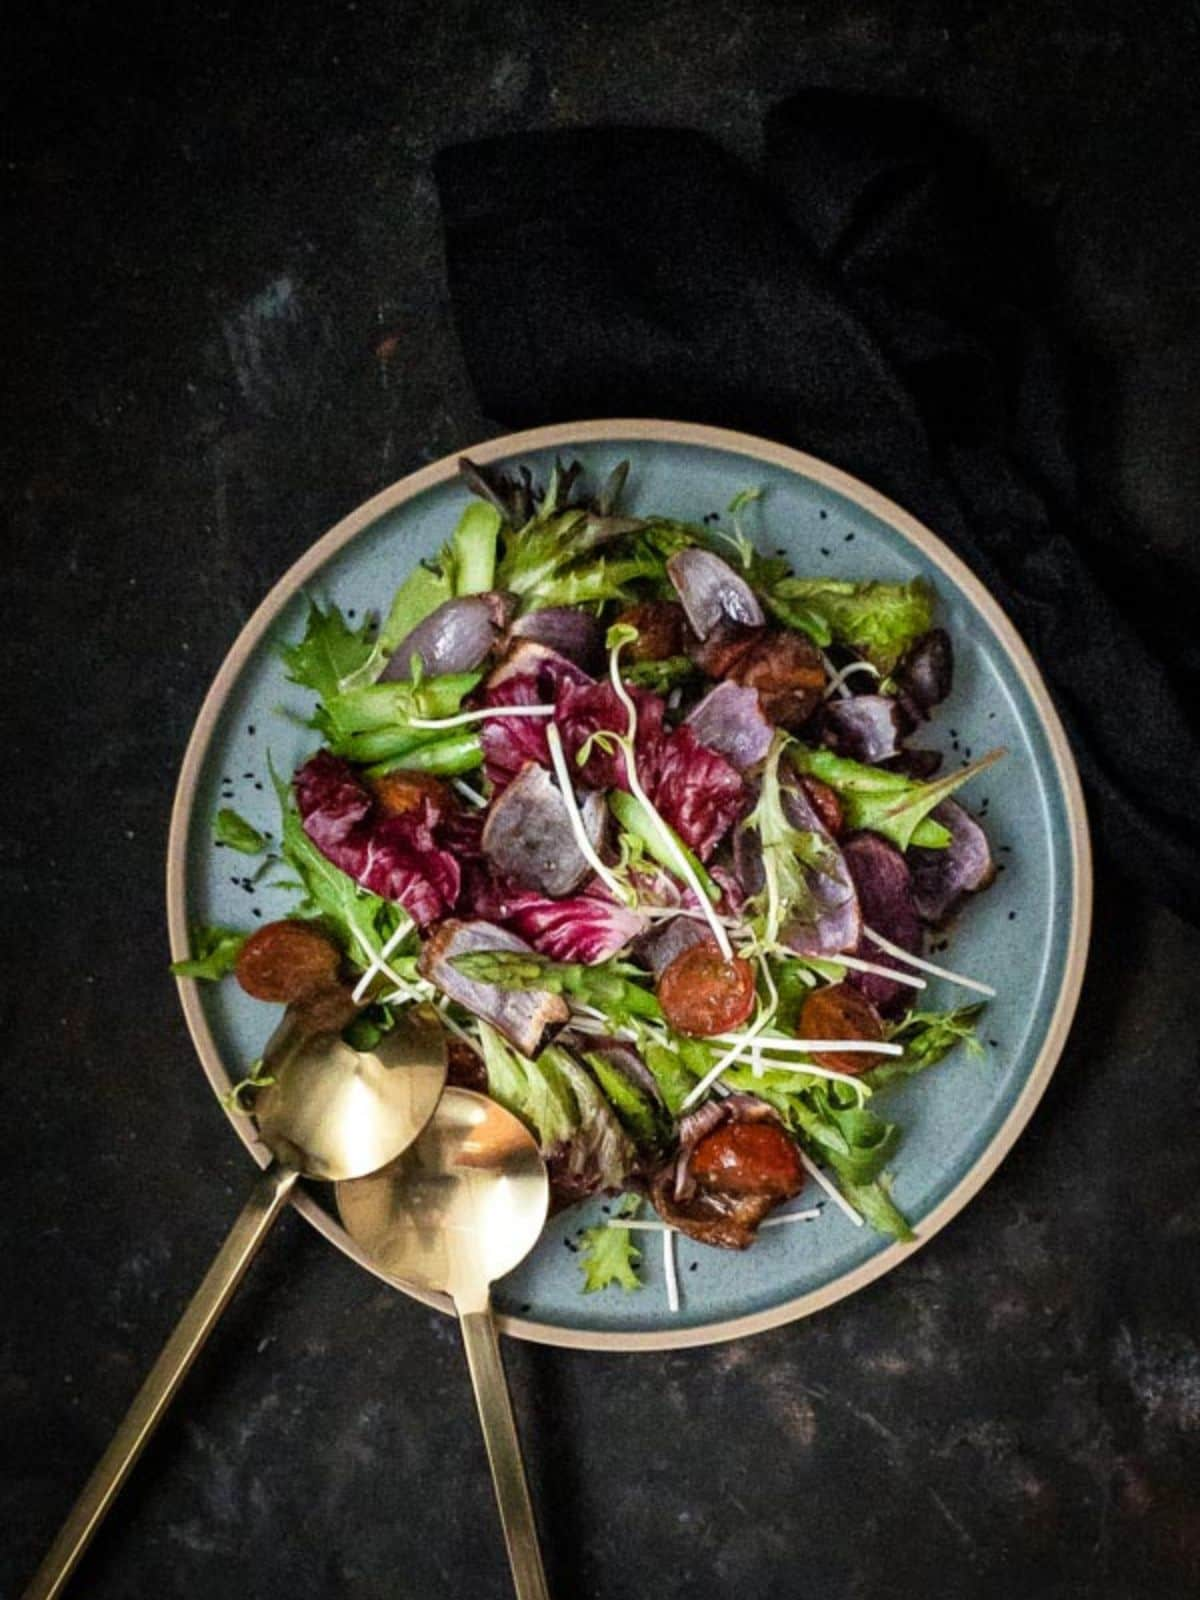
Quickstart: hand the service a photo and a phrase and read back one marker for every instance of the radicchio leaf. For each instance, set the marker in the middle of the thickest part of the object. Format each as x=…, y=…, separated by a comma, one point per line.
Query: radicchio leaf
x=397, y=858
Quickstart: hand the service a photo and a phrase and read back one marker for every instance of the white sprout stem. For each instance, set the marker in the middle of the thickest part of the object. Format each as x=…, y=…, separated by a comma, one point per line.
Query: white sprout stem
x=831, y=1189
x=856, y=964
x=802, y=1046
x=811, y=1214
x=837, y=684
x=927, y=966
x=588, y=850
x=463, y=717
x=377, y=960
x=646, y=1225
x=683, y=865
x=748, y=1042
x=669, y=1269
x=468, y=794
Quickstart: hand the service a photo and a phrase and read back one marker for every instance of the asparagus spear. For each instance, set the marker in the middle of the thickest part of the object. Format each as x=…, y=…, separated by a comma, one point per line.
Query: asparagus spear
x=604, y=986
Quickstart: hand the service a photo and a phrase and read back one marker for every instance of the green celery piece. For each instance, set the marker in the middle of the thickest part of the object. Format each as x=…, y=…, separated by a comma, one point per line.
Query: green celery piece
x=421, y=593
x=470, y=560
x=661, y=841
x=880, y=620
x=608, y=1255
x=214, y=953
x=888, y=803
x=238, y=834
x=330, y=654
x=445, y=756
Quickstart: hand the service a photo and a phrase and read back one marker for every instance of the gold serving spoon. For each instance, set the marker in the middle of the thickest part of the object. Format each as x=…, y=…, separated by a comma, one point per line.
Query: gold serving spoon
x=332, y=1112
x=461, y=1207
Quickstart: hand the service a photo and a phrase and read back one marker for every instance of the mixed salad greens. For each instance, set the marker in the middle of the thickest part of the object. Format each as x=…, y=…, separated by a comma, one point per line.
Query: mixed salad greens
x=641, y=811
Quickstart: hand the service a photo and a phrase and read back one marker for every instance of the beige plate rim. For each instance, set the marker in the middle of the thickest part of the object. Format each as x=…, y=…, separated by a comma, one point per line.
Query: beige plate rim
x=570, y=435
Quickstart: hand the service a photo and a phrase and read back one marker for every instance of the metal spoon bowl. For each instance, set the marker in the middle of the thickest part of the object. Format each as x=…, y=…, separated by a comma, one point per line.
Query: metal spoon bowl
x=331, y=1112
x=463, y=1205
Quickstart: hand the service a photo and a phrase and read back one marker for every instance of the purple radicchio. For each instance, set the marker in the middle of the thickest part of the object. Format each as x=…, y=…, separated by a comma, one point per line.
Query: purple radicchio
x=397, y=858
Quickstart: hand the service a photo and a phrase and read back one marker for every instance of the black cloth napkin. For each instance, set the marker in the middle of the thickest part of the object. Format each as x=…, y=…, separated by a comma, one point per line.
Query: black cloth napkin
x=873, y=297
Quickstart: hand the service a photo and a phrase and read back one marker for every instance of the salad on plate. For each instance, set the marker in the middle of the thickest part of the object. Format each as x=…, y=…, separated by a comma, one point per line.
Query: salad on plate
x=649, y=817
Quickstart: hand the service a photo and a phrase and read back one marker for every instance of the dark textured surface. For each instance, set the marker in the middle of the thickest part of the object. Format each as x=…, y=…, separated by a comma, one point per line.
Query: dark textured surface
x=225, y=323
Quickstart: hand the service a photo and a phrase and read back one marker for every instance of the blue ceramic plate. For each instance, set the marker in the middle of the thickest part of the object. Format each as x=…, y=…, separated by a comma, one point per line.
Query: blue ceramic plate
x=1028, y=934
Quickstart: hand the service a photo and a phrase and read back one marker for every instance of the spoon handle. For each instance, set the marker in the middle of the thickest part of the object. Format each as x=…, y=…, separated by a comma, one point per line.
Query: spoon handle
x=504, y=1454
x=267, y=1198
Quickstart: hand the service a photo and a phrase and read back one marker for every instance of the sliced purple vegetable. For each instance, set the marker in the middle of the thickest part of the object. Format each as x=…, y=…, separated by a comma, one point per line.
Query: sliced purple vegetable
x=925, y=675
x=942, y=877
x=545, y=666
x=864, y=727
x=916, y=763
x=670, y=938
x=711, y=592
x=457, y=637
x=885, y=897
x=573, y=633
x=730, y=721
x=528, y=835
x=524, y=1016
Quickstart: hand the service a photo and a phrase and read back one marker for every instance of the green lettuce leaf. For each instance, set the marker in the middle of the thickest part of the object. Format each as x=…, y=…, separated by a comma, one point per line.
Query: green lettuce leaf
x=214, y=952
x=637, y=1113
x=888, y=803
x=879, y=620
x=609, y=1255
x=787, y=853
x=874, y=1202
x=927, y=1037
x=331, y=654
x=234, y=831
x=466, y=565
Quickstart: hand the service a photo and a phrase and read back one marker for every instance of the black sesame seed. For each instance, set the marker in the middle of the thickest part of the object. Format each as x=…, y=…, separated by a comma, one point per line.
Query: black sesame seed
x=1012, y=916
x=220, y=844
x=607, y=1210
x=849, y=539
x=954, y=733
x=693, y=1266
x=822, y=515
x=350, y=611
x=1000, y=867
x=967, y=752
x=571, y=1246
x=525, y=1309
x=258, y=786
x=824, y=551
x=994, y=1043
x=235, y=879
x=255, y=912
x=250, y=729
x=247, y=775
